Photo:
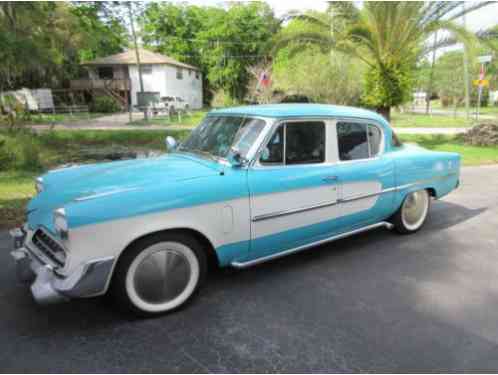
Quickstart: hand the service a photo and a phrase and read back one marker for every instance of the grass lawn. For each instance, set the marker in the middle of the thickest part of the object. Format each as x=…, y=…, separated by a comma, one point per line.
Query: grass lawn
x=471, y=155
x=16, y=188
x=188, y=121
x=412, y=120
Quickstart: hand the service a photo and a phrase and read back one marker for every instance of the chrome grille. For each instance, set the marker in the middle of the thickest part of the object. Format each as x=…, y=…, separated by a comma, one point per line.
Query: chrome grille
x=49, y=247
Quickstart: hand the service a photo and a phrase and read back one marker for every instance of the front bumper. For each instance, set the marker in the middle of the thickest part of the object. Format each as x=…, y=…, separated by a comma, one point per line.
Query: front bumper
x=47, y=285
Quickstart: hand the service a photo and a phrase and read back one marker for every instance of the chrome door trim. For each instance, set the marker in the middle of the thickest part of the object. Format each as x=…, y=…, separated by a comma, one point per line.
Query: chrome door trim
x=267, y=258
x=276, y=214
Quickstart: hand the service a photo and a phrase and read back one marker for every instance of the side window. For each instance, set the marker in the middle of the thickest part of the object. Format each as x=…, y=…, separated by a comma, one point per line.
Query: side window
x=358, y=140
x=296, y=143
x=305, y=143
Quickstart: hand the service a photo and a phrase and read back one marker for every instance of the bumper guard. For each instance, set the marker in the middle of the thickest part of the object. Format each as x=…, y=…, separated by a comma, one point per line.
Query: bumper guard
x=87, y=280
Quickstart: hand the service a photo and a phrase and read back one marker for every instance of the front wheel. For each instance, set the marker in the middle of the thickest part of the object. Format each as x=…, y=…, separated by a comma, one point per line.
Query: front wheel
x=413, y=212
x=159, y=274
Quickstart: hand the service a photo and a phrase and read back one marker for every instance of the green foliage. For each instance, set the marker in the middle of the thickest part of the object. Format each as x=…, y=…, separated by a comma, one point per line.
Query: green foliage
x=388, y=36
x=387, y=86
x=101, y=30
x=449, y=78
x=222, y=42
x=19, y=149
x=43, y=42
x=104, y=104
x=327, y=77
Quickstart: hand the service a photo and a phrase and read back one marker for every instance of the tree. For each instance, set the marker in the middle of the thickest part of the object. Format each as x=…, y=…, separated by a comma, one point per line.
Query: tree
x=389, y=37
x=222, y=42
x=43, y=43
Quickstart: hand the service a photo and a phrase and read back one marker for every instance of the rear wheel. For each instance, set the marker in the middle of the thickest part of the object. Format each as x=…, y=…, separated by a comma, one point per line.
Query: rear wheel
x=159, y=274
x=413, y=212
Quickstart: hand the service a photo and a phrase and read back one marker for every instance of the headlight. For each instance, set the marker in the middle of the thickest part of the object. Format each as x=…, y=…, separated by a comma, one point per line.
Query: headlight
x=60, y=223
x=39, y=185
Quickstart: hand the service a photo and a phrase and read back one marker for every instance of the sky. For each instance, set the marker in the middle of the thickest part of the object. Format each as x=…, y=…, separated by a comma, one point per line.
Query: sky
x=478, y=20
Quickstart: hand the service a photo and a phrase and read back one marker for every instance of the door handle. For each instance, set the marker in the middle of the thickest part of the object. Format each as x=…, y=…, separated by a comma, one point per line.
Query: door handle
x=330, y=179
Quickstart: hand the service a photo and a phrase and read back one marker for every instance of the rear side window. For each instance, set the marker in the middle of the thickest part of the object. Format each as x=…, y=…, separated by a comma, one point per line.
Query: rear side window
x=296, y=143
x=358, y=140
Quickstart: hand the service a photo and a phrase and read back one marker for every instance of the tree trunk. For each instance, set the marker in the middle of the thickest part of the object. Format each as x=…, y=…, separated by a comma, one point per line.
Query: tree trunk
x=385, y=111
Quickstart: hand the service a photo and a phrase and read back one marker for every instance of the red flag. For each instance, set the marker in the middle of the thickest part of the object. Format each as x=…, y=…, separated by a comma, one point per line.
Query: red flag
x=264, y=79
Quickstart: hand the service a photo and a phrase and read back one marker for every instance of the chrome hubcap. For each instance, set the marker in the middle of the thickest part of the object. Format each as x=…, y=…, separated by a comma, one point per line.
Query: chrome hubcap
x=162, y=276
x=415, y=208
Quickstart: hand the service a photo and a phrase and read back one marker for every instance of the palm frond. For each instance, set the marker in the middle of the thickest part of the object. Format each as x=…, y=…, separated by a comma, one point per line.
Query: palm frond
x=470, y=9
x=294, y=14
x=321, y=39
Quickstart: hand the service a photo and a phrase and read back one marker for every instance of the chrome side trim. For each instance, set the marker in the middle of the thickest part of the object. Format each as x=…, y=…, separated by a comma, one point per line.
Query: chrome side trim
x=267, y=258
x=98, y=195
x=353, y=198
x=273, y=215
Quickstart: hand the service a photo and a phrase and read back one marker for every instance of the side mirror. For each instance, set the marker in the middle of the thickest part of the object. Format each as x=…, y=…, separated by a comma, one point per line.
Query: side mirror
x=236, y=158
x=170, y=143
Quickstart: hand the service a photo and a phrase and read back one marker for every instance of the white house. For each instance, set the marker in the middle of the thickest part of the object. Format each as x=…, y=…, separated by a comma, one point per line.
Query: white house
x=118, y=76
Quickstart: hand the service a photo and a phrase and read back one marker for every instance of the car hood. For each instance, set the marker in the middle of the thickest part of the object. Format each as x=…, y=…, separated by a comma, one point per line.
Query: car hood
x=65, y=185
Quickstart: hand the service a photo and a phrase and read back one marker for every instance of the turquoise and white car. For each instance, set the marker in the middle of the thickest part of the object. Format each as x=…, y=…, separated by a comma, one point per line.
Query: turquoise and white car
x=250, y=184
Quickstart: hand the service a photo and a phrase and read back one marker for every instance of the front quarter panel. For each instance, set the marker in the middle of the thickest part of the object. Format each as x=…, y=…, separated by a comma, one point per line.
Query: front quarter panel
x=217, y=207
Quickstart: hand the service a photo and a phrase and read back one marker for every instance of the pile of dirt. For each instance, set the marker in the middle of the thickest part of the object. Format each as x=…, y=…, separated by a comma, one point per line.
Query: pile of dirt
x=482, y=135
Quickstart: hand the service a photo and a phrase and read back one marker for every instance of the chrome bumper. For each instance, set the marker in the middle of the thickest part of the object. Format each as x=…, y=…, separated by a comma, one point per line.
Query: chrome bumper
x=88, y=280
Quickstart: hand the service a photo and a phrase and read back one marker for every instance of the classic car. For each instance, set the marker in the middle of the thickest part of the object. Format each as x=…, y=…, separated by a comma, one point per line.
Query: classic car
x=250, y=184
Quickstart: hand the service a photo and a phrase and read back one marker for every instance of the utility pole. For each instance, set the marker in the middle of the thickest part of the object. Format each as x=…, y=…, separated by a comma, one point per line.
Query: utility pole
x=137, y=54
x=431, y=78
x=466, y=70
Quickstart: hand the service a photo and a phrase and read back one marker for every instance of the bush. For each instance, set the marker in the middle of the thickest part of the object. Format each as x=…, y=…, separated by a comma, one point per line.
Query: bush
x=222, y=99
x=6, y=156
x=19, y=149
x=104, y=104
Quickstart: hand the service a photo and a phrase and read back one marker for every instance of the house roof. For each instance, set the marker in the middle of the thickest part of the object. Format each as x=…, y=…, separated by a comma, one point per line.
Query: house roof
x=301, y=110
x=146, y=57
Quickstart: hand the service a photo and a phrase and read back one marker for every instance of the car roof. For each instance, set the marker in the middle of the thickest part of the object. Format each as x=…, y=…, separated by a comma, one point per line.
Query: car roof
x=300, y=110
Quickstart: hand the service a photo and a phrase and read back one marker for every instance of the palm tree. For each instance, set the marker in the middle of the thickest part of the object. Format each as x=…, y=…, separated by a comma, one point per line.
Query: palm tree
x=390, y=37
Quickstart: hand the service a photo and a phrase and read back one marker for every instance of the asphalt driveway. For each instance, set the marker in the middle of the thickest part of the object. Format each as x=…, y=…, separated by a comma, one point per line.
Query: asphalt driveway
x=376, y=302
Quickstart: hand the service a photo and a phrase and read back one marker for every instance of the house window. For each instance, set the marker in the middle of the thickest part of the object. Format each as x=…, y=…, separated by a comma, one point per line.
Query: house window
x=358, y=140
x=296, y=143
x=196, y=75
x=189, y=72
x=106, y=72
x=146, y=69
x=179, y=73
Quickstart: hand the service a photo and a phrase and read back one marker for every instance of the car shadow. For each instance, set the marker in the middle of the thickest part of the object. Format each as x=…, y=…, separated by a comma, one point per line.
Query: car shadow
x=443, y=215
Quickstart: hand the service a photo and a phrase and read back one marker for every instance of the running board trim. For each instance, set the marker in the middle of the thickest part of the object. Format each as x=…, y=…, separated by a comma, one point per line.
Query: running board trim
x=267, y=258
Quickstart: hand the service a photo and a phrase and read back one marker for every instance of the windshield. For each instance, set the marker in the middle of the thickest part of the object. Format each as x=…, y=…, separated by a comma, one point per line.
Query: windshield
x=218, y=136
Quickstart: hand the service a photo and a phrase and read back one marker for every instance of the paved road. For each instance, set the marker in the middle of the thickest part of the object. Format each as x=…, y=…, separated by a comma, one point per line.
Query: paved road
x=376, y=302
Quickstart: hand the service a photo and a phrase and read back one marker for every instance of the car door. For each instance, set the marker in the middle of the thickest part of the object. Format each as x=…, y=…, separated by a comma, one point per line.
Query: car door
x=293, y=187
x=365, y=174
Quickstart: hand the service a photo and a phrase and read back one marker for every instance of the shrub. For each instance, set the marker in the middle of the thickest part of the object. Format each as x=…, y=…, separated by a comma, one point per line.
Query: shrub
x=19, y=149
x=6, y=156
x=104, y=104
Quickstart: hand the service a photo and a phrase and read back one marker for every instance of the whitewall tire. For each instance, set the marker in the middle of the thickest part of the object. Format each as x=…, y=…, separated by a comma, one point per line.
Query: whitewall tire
x=413, y=212
x=159, y=274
